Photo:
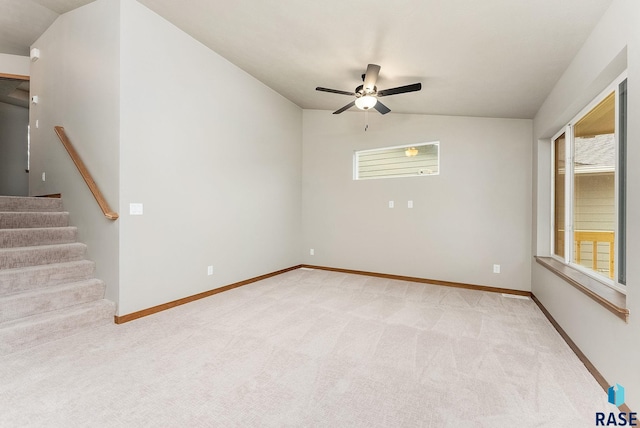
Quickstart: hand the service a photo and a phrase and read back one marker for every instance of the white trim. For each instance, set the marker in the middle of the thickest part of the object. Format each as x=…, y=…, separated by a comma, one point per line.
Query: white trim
x=616, y=185
x=356, y=165
x=569, y=194
x=398, y=147
x=553, y=192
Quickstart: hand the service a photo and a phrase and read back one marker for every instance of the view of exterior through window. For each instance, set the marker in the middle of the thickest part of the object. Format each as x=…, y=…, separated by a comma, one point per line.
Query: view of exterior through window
x=585, y=202
x=594, y=169
x=399, y=161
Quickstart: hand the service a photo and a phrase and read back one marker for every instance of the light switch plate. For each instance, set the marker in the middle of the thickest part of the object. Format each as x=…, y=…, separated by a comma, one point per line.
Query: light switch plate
x=135, y=209
x=409, y=204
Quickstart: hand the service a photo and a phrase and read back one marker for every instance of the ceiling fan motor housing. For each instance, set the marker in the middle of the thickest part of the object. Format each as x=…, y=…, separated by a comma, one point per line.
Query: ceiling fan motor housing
x=361, y=92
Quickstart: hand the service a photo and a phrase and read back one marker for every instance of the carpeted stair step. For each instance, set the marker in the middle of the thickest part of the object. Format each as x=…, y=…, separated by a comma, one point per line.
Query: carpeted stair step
x=41, y=300
x=20, y=220
x=19, y=203
x=31, y=277
x=47, y=289
x=11, y=258
x=31, y=331
x=10, y=238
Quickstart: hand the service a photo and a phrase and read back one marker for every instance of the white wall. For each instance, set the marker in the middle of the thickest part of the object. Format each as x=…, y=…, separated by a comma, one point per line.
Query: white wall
x=77, y=82
x=476, y=213
x=14, y=64
x=215, y=158
x=14, y=180
x=611, y=344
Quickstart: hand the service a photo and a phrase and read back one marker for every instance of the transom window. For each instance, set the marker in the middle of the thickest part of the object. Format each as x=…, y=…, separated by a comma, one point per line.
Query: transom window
x=411, y=160
x=588, y=188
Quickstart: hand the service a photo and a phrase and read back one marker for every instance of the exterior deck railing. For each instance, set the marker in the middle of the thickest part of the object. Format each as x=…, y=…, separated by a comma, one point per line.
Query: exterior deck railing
x=595, y=236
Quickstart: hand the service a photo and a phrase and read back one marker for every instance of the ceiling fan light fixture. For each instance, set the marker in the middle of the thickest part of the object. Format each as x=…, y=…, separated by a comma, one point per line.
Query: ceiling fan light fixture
x=366, y=102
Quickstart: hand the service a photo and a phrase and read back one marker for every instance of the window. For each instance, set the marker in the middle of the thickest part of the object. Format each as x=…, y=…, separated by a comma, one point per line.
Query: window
x=412, y=160
x=588, y=188
x=559, y=180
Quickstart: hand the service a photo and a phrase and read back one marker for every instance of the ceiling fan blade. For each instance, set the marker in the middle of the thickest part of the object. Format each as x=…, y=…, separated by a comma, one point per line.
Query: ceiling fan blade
x=335, y=91
x=382, y=109
x=347, y=107
x=370, y=77
x=400, y=90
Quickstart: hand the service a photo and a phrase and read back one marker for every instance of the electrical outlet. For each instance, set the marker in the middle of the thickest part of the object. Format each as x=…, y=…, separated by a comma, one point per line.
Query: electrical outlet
x=44, y=176
x=391, y=204
x=409, y=204
x=312, y=252
x=209, y=270
x=496, y=268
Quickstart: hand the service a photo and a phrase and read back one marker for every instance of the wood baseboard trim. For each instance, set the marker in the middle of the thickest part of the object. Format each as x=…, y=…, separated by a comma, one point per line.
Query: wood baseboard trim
x=588, y=364
x=52, y=195
x=159, y=308
x=424, y=280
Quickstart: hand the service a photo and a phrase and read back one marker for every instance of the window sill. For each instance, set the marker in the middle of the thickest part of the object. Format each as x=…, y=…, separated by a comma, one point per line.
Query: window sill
x=613, y=300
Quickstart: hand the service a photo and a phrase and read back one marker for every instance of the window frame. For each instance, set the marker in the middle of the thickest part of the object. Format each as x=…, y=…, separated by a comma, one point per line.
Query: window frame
x=614, y=86
x=356, y=163
x=567, y=188
x=621, y=190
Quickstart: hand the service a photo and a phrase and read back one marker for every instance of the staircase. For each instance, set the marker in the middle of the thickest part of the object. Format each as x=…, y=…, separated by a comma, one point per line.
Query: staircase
x=47, y=288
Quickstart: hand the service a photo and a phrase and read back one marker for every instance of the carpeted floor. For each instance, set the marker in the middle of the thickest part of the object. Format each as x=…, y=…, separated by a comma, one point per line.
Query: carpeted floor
x=311, y=348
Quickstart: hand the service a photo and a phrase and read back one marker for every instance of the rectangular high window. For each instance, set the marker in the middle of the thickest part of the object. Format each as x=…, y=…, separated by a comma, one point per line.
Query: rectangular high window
x=413, y=160
x=588, y=156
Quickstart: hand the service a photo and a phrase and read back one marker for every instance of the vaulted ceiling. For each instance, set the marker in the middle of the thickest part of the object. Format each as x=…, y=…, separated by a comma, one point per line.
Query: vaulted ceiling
x=491, y=58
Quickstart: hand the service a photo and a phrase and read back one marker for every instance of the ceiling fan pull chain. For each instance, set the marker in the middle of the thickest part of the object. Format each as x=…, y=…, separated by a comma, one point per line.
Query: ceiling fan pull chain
x=366, y=120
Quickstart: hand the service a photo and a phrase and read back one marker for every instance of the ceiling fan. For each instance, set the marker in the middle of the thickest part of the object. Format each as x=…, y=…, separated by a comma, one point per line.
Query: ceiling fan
x=367, y=94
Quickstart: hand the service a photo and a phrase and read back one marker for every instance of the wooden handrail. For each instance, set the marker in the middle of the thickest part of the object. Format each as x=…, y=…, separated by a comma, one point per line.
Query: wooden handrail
x=104, y=206
x=14, y=76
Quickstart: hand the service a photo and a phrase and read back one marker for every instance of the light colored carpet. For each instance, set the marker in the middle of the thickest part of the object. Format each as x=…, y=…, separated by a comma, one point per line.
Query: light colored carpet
x=311, y=348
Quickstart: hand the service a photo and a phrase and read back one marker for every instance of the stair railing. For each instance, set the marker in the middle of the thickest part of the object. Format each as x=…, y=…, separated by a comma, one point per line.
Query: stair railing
x=84, y=172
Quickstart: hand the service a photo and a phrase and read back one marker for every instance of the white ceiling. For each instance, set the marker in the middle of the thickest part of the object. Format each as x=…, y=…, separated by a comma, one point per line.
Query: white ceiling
x=493, y=58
